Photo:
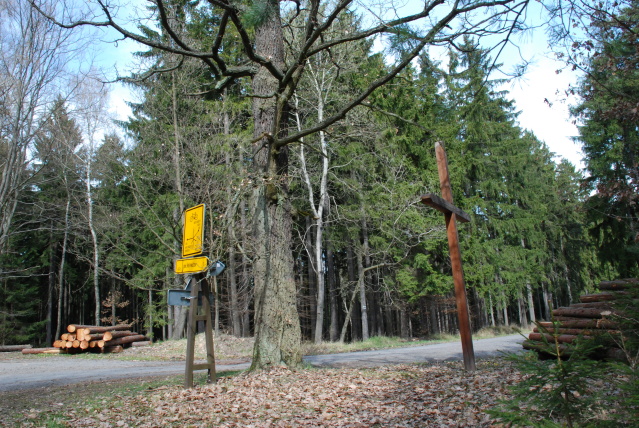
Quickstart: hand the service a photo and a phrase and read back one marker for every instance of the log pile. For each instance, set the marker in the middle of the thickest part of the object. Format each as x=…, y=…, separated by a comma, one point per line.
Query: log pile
x=107, y=339
x=592, y=317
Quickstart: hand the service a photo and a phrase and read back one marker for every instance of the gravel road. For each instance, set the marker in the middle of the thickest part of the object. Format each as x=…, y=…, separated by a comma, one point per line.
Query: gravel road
x=28, y=373
x=451, y=351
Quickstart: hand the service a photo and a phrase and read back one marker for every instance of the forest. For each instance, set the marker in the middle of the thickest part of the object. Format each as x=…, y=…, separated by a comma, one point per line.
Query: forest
x=311, y=161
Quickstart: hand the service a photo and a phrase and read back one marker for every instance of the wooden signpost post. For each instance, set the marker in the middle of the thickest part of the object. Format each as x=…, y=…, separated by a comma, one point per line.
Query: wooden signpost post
x=452, y=213
x=196, y=291
x=200, y=289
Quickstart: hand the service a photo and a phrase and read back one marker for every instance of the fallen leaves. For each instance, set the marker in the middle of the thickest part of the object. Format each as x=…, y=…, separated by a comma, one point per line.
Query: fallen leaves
x=398, y=396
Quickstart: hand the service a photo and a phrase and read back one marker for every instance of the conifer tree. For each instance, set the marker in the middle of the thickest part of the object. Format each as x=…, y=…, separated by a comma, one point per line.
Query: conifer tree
x=60, y=187
x=608, y=133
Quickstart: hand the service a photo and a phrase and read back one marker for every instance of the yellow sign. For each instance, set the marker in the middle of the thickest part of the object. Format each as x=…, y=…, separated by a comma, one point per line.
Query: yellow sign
x=194, y=265
x=193, y=234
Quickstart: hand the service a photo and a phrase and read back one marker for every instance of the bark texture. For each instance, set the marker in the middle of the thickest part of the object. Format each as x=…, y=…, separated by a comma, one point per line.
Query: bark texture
x=277, y=327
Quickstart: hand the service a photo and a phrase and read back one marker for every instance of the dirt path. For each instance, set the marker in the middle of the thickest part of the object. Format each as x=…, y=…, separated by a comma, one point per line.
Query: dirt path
x=30, y=373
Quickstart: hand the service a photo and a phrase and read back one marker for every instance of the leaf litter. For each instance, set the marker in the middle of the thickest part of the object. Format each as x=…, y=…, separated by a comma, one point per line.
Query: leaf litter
x=438, y=395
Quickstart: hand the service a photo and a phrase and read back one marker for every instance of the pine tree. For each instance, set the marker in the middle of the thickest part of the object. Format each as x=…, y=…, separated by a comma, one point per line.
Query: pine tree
x=608, y=133
x=59, y=186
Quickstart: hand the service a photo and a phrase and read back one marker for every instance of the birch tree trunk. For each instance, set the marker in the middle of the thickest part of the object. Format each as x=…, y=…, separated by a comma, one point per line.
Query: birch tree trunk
x=94, y=237
x=317, y=208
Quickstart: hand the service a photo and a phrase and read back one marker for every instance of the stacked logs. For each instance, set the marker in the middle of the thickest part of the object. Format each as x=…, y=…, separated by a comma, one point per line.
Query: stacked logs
x=108, y=339
x=592, y=317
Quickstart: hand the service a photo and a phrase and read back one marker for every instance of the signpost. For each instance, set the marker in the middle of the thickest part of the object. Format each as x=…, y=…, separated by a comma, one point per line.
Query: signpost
x=451, y=214
x=183, y=298
x=192, y=265
x=193, y=232
x=197, y=294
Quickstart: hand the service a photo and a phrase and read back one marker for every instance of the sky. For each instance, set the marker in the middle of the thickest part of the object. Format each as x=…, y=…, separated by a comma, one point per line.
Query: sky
x=538, y=95
x=545, y=110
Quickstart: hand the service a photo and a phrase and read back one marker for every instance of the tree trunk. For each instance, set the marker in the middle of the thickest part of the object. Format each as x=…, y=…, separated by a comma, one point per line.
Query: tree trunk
x=362, y=294
x=50, y=288
x=13, y=348
x=232, y=279
x=531, y=303
x=321, y=287
x=566, y=273
x=181, y=312
x=126, y=339
x=317, y=210
x=230, y=269
x=360, y=271
x=13, y=167
x=246, y=280
x=492, y=312
x=505, y=312
x=216, y=308
x=581, y=312
x=149, y=331
x=167, y=332
x=523, y=321
x=104, y=329
x=180, y=322
x=404, y=328
x=352, y=278
x=311, y=275
x=63, y=257
x=349, y=311
x=332, y=286
x=277, y=326
x=94, y=241
x=41, y=351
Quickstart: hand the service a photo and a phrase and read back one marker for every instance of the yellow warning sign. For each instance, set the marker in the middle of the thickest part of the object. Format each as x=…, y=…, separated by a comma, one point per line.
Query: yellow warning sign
x=193, y=234
x=193, y=265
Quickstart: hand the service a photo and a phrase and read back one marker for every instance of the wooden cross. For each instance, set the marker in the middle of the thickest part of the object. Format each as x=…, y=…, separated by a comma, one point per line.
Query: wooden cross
x=451, y=213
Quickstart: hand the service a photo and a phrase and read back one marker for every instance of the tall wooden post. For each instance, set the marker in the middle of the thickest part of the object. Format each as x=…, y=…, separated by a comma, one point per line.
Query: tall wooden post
x=452, y=213
x=200, y=288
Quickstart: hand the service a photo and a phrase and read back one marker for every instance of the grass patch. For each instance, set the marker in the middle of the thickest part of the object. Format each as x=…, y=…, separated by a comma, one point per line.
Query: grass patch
x=372, y=344
x=443, y=337
x=502, y=330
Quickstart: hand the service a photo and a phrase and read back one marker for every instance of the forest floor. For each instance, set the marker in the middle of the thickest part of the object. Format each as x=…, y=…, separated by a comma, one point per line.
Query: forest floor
x=441, y=394
x=425, y=395
x=416, y=395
